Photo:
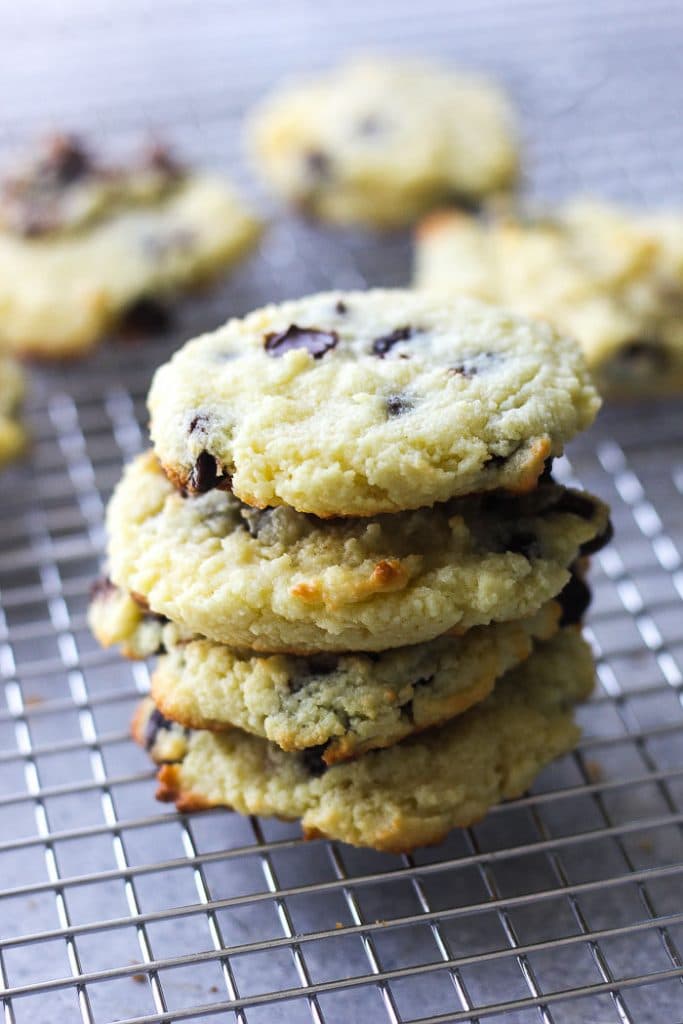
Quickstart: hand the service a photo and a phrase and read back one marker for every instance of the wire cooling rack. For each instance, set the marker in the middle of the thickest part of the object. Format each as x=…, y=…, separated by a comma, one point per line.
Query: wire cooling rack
x=564, y=907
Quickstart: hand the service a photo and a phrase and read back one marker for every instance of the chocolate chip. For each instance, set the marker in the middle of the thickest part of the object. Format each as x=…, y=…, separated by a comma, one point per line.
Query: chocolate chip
x=308, y=668
x=522, y=543
x=66, y=161
x=424, y=681
x=386, y=342
x=147, y=315
x=159, y=157
x=312, y=759
x=204, y=476
x=574, y=600
x=573, y=503
x=398, y=405
x=599, y=542
x=254, y=518
x=546, y=476
x=323, y=664
x=102, y=588
x=315, y=341
x=155, y=723
x=471, y=365
x=318, y=164
x=643, y=355
x=198, y=422
x=341, y=307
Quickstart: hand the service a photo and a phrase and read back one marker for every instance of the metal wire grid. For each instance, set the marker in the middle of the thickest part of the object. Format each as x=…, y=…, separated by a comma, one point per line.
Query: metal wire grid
x=563, y=907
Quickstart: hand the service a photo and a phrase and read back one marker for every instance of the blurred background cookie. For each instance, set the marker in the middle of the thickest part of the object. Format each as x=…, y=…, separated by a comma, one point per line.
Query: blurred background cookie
x=379, y=140
x=610, y=276
x=86, y=247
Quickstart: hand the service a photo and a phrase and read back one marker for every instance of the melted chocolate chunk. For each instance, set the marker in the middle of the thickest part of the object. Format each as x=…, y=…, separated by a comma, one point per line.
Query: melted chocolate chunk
x=546, y=476
x=522, y=543
x=386, y=342
x=318, y=164
x=323, y=664
x=575, y=504
x=398, y=405
x=102, y=588
x=315, y=341
x=315, y=665
x=591, y=546
x=66, y=161
x=204, y=476
x=574, y=600
x=313, y=761
x=147, y=315
x=155, y=723
x=341, y=307
x=425, y=681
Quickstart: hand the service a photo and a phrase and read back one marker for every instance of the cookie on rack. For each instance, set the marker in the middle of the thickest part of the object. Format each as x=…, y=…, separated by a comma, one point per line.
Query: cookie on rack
x=378, y=141
x=343, y=705
x=282, y=581
x=359, y=403
x=12, y=436
x=85, y=247
x=396, y=799
x=613, y=278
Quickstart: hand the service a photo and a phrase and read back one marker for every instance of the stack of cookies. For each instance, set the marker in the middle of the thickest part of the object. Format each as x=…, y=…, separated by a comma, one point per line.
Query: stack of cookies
x=349, y=554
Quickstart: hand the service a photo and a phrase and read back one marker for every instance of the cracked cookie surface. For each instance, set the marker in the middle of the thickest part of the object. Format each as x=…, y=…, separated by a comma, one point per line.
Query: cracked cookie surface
x=360, y=403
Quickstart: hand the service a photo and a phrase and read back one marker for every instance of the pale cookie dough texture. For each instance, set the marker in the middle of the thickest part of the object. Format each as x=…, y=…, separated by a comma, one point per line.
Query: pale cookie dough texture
x=409, y=795
x=12, y=436
x=84, y=247
x=341, y=705
x=611, y=277
x=360, y=403
x=282, y=581
x=380, y=141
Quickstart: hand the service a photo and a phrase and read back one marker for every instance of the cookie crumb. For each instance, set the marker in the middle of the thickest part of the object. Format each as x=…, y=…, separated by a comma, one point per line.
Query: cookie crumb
x=595, y=771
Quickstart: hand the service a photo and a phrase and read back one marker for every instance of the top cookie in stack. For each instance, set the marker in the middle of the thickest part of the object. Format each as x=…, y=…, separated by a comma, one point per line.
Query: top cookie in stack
x=356, y=537
x=368, y=403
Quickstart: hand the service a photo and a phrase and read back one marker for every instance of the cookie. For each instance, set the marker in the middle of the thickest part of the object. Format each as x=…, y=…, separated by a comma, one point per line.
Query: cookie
x=379, y=141
x=117, y=618
x=341, y=704
x=84, y=248
x=409, y=795
x=281, y=581
x=610, y=277
x=361, y=403
x=12, y=436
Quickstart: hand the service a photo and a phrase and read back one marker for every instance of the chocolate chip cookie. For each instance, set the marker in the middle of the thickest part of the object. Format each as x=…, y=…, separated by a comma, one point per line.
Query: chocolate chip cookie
x=613, y=278
x=355, y=404
x=282, y=581
x=86, y=247
x=378, y=141
x=409, y=795
x=342, y=704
